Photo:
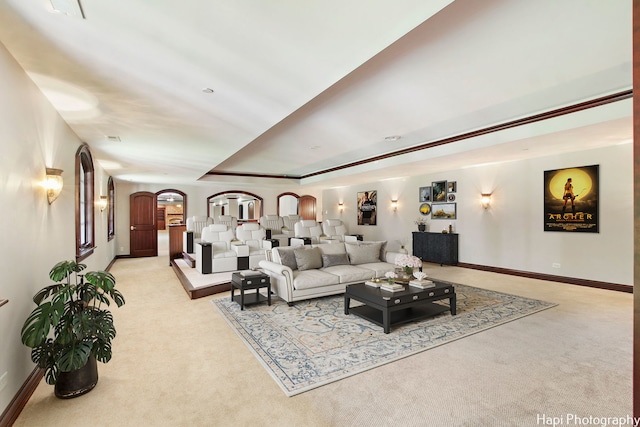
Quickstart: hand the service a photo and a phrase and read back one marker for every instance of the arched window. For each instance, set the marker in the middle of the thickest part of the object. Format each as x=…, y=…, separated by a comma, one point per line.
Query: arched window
x=85, y=228
x=111, y=209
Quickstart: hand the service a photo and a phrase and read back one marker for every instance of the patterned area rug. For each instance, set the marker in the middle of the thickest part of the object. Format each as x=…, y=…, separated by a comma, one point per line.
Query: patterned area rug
x=314, y=343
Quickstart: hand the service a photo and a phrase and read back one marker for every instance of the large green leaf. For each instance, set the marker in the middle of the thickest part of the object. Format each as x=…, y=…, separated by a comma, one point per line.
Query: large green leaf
x=51, y=373
x=64, y=268
x=102, y=279
x=102, y=350
x=46, y=292
x=75, y=355
x=37, y=326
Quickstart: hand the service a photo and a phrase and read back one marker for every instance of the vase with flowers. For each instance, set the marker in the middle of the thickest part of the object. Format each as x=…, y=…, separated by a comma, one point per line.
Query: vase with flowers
x=408, y=263
x=421, y=223
x=391, y=277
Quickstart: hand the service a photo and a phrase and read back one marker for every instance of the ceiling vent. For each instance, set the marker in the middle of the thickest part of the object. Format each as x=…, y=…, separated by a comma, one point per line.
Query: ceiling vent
x=113, y=138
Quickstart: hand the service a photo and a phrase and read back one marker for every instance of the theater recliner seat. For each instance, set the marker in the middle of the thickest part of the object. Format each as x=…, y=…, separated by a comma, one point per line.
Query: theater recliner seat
x=251, y=243
x=214, y=253
x=335, y=229
x=193, y=233
x=275, y=224
x=307, y=229
x=230, y=221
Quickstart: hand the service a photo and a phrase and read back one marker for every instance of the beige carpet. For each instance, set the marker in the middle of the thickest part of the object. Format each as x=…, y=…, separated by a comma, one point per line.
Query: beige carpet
x=177, y=363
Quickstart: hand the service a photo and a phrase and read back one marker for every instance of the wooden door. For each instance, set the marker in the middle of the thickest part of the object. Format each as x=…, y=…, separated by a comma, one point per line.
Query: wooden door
x=307, y=207
x=143, y=235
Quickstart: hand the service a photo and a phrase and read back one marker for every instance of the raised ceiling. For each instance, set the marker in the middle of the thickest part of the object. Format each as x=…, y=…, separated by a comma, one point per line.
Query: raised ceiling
x=300, y=89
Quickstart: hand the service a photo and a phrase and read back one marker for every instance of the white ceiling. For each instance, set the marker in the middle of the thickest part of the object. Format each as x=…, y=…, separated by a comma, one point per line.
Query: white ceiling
x=301, y=87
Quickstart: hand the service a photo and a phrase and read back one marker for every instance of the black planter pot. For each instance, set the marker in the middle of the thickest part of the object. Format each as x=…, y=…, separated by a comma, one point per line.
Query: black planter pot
x=422, y=227
x=76, y=383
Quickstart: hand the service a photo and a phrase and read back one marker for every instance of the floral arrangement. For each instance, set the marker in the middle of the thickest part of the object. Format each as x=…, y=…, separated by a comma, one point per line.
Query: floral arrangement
x=408, y=262
x=391, y=276
x=421, y=221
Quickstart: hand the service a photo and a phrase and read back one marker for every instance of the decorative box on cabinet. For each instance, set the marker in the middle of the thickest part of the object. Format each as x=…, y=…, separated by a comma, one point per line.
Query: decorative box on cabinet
x=436, y=247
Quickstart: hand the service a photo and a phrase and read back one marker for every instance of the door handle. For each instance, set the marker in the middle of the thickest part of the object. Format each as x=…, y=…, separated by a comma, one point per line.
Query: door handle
x=133, y=227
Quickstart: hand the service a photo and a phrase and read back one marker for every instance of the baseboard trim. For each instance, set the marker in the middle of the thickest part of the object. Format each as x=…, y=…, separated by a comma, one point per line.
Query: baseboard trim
x=11, y=413
x=550, y=277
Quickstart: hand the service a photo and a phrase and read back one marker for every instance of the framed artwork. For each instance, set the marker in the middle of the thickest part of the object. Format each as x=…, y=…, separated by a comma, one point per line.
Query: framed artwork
x=452, y=186
x=571, y=199
x=425, y=209
x=439, y=191
x=367, y=202
x=443, y=211
x=425, y=194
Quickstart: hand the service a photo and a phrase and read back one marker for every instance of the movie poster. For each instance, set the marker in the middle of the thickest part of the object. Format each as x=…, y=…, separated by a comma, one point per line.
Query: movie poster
x=571, y=200
x=367, y=201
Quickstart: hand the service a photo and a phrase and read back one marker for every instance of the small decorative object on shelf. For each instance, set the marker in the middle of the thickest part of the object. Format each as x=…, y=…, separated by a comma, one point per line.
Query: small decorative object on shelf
x=421, y=223
x=408, y=263
x=419, y=275
x=450, y=228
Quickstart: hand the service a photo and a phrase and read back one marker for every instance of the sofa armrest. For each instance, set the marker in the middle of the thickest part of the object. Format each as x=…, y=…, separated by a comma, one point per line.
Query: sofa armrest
x=282, y=278
x=274, y=267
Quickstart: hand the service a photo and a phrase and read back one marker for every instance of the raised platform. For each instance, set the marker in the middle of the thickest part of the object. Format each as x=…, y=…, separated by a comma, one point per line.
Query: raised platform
x=200, y=285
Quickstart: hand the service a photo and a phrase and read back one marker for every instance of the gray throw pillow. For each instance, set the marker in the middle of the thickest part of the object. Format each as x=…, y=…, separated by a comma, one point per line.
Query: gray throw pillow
x=308, y=259
x=363, y=254
x=288, y=258
x=383, y=247
x=334, y=259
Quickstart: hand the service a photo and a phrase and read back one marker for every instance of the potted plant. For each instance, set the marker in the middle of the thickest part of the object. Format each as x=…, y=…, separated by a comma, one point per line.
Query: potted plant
x=422, y=224
x=82, y=330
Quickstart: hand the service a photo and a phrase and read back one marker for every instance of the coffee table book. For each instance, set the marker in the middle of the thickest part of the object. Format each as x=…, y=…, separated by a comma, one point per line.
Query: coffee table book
x=391, y=288
x=373, y=284
x=422, y=284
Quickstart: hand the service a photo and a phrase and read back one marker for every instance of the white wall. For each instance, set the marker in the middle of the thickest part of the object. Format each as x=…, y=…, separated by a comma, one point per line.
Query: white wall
x=510, y=233
x=35, y=235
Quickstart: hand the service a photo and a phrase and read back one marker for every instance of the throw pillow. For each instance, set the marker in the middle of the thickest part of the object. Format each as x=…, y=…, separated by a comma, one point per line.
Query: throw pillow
x=308, y=259
x=363, y=254
x=329, y=260
x=383, y=248
x=288, y=258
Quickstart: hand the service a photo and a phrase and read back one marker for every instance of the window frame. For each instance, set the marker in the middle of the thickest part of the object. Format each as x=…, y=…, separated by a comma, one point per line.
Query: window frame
x=85, y=206
x=111, y=215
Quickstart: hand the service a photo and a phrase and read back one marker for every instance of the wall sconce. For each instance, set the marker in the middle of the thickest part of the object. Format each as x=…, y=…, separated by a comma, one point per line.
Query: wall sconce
x=340, y=206
x=486, y=200
x=394, y=205
x=53, y=184
x=102, y=203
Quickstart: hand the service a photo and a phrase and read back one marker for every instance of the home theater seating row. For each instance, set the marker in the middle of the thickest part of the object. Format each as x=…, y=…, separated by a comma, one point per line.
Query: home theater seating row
x=218, y=246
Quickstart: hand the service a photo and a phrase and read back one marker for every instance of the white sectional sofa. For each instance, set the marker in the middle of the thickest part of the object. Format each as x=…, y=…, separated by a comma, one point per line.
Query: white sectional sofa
x=317, y=270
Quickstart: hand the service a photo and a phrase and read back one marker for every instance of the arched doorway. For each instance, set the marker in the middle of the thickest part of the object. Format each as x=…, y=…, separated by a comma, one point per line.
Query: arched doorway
x=171, y=210
x=245, y=206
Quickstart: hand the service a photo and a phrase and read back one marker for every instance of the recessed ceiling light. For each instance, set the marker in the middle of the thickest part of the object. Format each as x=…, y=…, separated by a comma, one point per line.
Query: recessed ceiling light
x=315, y=147
x=392, y=138
x=207, y=90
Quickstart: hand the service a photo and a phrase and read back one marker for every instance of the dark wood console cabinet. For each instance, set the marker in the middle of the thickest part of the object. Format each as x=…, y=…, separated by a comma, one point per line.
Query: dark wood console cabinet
x=436, y=247
x=175, y=240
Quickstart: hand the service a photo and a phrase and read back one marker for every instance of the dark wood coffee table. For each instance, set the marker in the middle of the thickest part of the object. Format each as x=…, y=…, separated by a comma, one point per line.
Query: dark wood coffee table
x=391, y=308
